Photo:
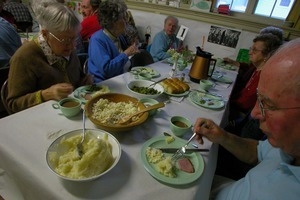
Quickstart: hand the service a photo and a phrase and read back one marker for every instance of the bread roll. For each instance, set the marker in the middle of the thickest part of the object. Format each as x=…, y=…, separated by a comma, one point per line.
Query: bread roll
x=174, y=86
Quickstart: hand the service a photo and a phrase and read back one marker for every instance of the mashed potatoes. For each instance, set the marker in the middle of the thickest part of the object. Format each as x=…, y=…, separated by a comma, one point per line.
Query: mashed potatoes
x=162, y=164
x=111, y=112
x=96, y=159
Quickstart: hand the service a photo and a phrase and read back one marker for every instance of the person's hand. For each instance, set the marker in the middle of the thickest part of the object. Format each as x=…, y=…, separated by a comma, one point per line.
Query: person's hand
x=131, y=50
x=207, y=128
x=88, y=80
x=57, y=91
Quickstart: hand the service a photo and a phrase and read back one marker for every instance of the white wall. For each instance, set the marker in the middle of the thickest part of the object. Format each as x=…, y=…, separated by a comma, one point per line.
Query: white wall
x=194, y=36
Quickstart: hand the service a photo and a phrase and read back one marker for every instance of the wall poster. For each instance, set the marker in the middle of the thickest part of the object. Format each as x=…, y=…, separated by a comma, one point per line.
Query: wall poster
x=223, y=36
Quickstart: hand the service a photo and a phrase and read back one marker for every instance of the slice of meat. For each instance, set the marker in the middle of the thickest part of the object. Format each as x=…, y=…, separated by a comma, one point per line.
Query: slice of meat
x=185, y=165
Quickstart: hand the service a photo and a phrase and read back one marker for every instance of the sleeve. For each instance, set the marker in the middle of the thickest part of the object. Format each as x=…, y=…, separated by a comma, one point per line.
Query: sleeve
x=105, y=61
x=22, y=83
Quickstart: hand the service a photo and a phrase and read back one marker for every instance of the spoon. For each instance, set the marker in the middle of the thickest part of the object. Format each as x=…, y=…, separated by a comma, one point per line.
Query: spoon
x=128, y=118
x=154, y=83
x=80, y=146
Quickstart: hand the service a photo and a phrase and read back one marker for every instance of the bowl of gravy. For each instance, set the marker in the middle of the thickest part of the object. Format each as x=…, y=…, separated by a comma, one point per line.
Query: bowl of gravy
x=180, y=125
x=69, y=107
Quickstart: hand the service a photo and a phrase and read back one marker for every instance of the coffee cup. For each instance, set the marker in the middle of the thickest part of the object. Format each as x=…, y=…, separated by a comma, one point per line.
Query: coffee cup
x=206, y=84
x=180, y=125
x=69, y=106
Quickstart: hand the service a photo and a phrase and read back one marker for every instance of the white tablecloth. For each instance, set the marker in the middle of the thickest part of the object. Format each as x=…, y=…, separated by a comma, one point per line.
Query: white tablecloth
x=25, y=137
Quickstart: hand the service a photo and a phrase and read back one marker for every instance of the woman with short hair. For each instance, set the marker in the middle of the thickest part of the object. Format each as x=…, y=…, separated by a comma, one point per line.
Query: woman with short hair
x=46, y=68
x=107, y=58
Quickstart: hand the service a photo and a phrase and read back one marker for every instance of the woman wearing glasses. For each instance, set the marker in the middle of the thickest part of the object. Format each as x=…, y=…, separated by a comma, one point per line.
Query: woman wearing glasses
x=276, y=161
x=107, y=56
x=243, y=96
x=46, y=68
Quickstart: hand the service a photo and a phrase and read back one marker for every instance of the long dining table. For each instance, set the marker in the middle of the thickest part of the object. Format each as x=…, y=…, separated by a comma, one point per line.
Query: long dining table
x=26, y=135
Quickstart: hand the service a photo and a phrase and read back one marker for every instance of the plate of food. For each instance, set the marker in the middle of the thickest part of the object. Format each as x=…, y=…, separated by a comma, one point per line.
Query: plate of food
x=85, y=93
x=178, y=95
x=148, y=70
x=228, y=66
x=175, y=87
x=221, y=78
x=206, y=100
x=221, y=63
x=153, y=159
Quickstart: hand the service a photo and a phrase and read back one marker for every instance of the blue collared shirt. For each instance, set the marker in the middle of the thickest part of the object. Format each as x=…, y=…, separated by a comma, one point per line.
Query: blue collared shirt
x=273, y=178
x=161, y=44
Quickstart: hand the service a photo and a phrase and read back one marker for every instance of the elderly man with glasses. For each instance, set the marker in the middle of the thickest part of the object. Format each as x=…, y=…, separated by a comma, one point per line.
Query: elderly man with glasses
x=276, y=174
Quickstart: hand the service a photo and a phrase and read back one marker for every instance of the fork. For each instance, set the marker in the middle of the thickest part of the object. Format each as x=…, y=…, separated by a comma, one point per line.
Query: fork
x=181, y=151
x=79, y=145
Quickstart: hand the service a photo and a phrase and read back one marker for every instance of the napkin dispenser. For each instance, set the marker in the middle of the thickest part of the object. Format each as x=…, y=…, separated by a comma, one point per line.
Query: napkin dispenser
x=201, y=64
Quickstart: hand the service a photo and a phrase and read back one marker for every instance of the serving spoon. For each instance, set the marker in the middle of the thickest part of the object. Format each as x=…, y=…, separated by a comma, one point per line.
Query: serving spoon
x=126, y=119
x=80, y=146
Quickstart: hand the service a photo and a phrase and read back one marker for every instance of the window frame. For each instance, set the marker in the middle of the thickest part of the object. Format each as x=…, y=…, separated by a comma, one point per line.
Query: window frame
x=249, y=13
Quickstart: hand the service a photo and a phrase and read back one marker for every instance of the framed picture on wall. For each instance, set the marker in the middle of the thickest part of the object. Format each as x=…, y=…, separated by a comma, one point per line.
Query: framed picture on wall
x=185, y=4
x=201, y=5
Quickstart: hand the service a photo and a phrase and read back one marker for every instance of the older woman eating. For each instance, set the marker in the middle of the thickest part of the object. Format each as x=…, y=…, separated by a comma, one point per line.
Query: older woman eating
x=107, y=56
x=46, y=68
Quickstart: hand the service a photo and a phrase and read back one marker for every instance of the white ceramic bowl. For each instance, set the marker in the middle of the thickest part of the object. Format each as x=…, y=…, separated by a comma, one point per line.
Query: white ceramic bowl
x=145, y=83
x=56, y=149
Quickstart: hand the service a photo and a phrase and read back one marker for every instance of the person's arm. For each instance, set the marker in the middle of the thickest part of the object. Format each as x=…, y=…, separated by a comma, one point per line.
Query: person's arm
x=105, y=61
x=244, y=149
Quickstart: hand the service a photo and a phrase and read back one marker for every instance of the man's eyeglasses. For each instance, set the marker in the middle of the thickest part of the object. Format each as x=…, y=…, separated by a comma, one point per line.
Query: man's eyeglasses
x=64, y=41
x=263, y=106
x=254, y=50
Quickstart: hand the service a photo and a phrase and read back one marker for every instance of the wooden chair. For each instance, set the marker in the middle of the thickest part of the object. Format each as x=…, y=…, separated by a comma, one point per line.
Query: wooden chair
x=3, y=97
x=141, y=59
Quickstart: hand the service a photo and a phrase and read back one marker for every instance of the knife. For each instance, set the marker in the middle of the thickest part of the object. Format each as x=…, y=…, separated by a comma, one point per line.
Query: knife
x=173, y=150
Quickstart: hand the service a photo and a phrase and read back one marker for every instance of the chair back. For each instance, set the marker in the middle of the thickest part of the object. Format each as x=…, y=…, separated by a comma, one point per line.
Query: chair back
x=3, y=77
x=141, y=59
x=85, y=66
x=3, y=97
x=83, y=58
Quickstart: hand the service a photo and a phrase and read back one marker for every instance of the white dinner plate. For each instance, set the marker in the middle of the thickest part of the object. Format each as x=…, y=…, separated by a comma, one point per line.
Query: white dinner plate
x=181, y=176
x=84, y=93
x=206, y=100
x=137, y=70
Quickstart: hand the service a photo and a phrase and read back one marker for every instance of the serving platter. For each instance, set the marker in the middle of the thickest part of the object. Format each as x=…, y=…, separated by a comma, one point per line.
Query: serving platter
x=182, y=177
